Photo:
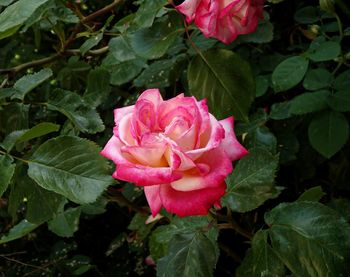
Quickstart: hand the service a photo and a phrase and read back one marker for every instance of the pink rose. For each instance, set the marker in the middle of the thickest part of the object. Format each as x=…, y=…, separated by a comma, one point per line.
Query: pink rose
x=223, y=19
x=176, y=150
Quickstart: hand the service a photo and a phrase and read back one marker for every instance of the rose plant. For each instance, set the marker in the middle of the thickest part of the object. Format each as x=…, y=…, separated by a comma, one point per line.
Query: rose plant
x=223, y=19
x=178, y=151
x=66, y=65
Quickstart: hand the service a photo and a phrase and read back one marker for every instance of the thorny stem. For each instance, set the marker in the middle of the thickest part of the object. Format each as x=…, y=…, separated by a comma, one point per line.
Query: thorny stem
x=120, y=199
x=232, y=224
x=71, y=38
x=237, y=228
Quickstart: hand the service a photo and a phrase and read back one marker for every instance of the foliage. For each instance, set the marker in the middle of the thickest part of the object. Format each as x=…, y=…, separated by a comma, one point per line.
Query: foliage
x=65, y=65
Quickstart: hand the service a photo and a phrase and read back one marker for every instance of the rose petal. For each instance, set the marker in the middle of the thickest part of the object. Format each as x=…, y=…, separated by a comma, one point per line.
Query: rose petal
x=220, y=166
x=216, y=136
x=188, y=8
x=148, y=156
x=152, y=95
x=176, y=158
x=120, y=113
x=230, y=143
x=144, y=175
x=153, y=199
x=112, y=151
x=123, y=130
x=189, y=203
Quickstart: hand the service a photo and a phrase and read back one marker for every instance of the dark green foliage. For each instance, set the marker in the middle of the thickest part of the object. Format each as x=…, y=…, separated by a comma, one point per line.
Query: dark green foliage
x=66, y=65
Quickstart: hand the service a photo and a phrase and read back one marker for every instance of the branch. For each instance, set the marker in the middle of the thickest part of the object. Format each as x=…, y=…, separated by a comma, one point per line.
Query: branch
x=24, y=66
x=89, y=18
x=72, y=37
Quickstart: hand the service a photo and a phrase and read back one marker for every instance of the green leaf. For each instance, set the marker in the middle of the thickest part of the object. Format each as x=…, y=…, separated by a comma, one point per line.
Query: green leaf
x=342, y=81
x=38, y=130
x=98, y=87
x=262, y=34
x=280, y=111
x=289, y=73
x=327, y=5
x=312, y=194
x=156, y=75
x=160, y=238
x=121, y=50
x=72, y=167
x=153, y=42
x=42, y=204
x=190, y=254
x=90, y=43
x=310, y=238
x=201, y=42
x=20, y=230
x=11, y=139
x=97, y=207
x=7, y=168
x=14, y=117
x=259, y=118
x=66, y=223
x=122, y=72
x=260, y=259
x=138, y=224
x=340, y=100
x=78, y=265
x=225, y=80
x=316, y=79
x=251, y=183
x=307, y=15
x=328, y=132
x=147, y=12
x=309, y=102
x=321, y=51
x=29, y=82
x=13, y=17
x=261, y=137
x=84, y=117
x=6, y=2
x=6, y=92
x=262, y=85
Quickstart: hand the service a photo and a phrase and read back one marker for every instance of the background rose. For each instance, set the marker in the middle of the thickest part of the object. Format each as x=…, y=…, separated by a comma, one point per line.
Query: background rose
x=177, y=150
x=223, y=19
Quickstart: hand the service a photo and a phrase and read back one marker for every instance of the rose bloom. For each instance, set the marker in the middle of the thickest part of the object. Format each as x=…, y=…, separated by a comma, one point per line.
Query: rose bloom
x=223, y=19
x=176, y=150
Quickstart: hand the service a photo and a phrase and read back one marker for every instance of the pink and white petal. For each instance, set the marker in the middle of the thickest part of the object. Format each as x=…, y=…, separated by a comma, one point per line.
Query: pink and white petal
x=123, y=130
x=204, y=115
x=227, y=31
x=153, y=199
x=188, y=8
x=148, y=156
x=216, y=136
x=218, y=166
x=152, y=95
x=177, y=159
x=230, y=144
x=190, y=203
x=144, y=175
x=144, y=115
x=122, y=112
x=112, y=151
